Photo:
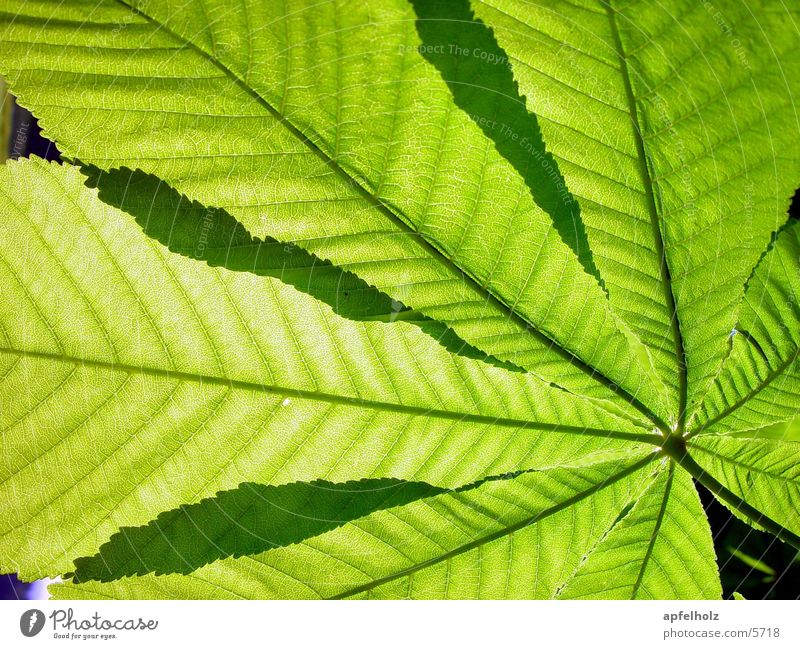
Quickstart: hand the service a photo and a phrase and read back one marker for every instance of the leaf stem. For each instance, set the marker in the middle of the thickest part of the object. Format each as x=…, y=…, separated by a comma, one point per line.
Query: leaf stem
x=675, y=447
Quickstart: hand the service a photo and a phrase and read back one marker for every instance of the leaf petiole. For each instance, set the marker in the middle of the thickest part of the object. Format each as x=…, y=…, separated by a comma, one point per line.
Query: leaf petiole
x=675, y=447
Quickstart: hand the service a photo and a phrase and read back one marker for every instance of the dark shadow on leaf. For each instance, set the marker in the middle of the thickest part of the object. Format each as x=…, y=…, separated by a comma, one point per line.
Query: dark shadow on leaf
x=217, y=238
x=247, y=520
x=251, y=519
x=478, y=72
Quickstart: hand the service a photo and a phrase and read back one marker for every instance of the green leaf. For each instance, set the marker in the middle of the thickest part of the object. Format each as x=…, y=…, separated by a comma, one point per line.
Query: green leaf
x=659, y=195
x=454, y=546
x=138, y=380
x=214, y=236
x=786, y=430
x=227, y=125
x=584, y=203
x=765, y=473
x=6, y=117
x=640, y=557
x=676, y=125
x=247, y=520
x=760, y=380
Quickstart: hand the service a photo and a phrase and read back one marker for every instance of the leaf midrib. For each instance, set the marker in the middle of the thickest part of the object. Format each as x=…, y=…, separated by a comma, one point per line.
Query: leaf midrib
x=493, y=536
x=767, y=472
x=662, y=510
x=326, y=397
x=395, y=215
x=655, y=221
x=776, y=373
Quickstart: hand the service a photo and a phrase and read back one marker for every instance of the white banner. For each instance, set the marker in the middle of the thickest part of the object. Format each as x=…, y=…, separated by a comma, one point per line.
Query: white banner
x=388, y=625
